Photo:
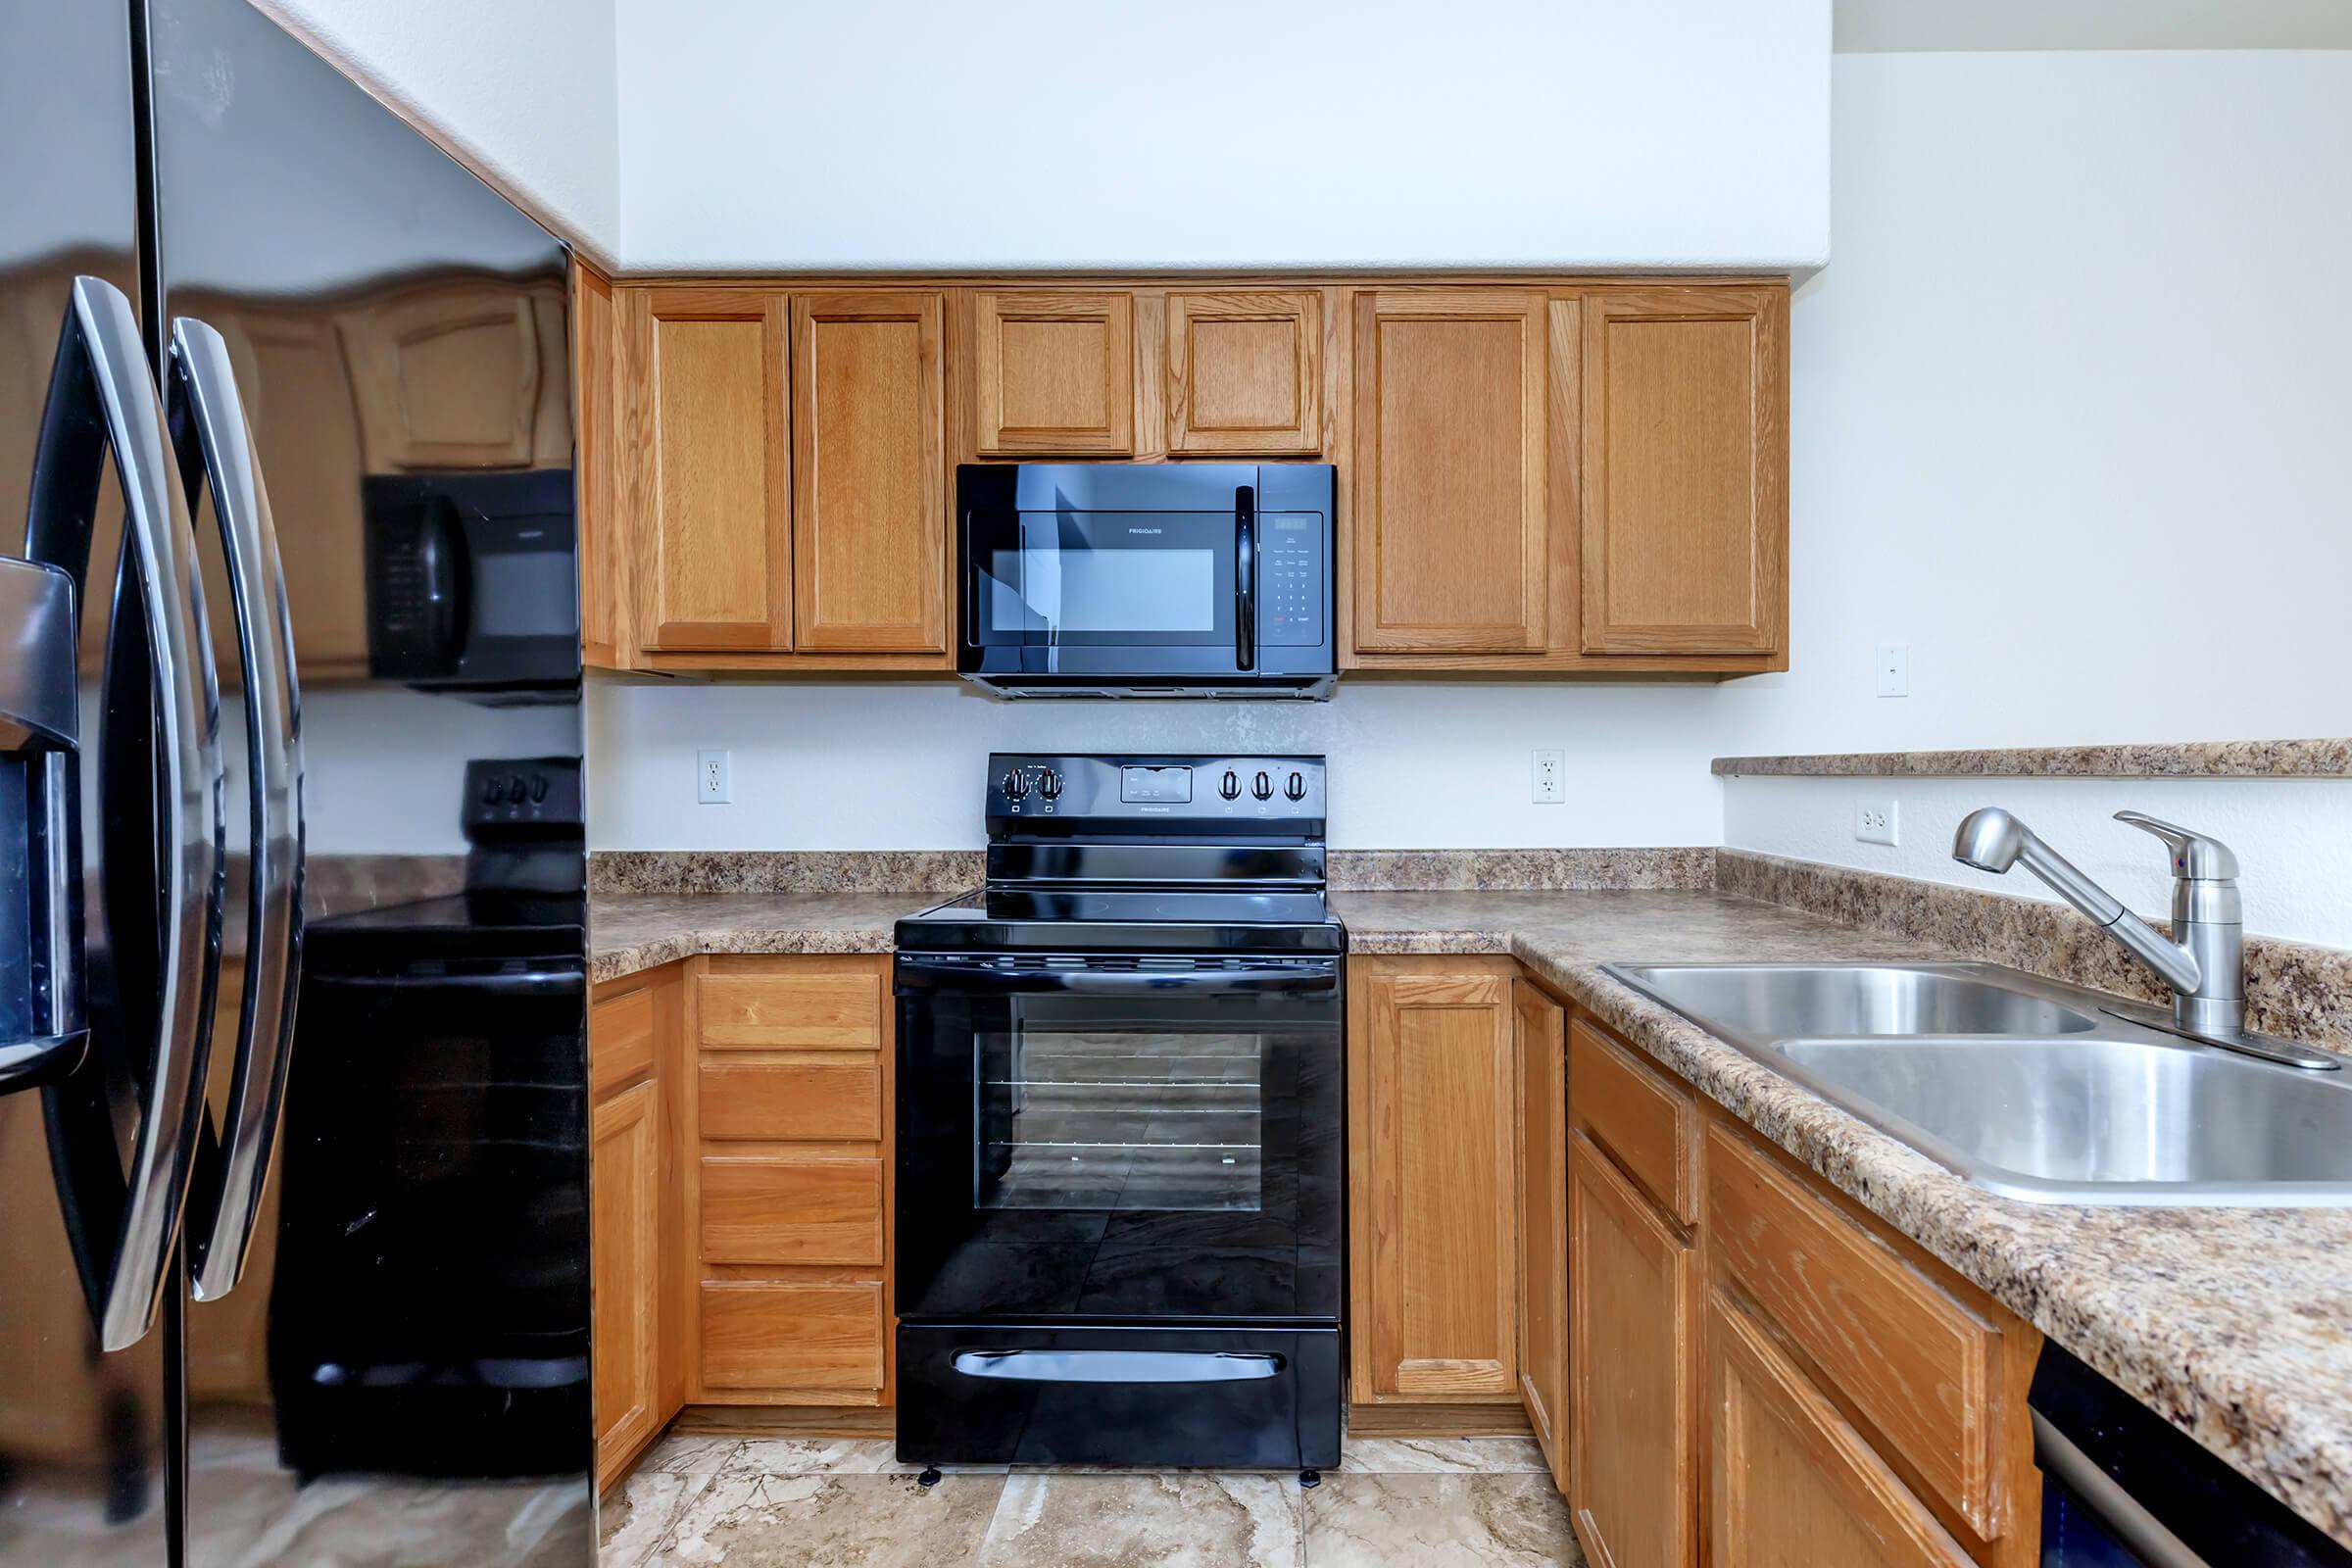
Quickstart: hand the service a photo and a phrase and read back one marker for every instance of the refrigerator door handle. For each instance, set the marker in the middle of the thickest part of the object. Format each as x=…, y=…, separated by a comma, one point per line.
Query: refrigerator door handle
x=40, y=721
x=100, y=385
x=215, y=442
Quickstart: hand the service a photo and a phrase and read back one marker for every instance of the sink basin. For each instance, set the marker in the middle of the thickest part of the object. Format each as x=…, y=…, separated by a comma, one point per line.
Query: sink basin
x=1766, y=1001
x=2027, y=1088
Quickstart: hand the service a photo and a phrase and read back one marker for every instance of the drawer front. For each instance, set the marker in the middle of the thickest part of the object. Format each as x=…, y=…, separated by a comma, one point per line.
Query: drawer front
x=1648, y=1123
x=1920, y=1366
x=803, y=1101
x=761, y=1003
x=621, y=1041
x=767, y=1334
x=791, y=1212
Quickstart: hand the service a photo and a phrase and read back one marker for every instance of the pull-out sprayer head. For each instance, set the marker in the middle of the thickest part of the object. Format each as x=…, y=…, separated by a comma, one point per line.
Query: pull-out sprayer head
x=1990, y=839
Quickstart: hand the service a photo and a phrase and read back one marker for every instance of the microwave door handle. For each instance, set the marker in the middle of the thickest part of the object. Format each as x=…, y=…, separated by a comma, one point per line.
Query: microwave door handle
x=1245, y=577
x=40, y=720
x=101, y=381
x=216, y=443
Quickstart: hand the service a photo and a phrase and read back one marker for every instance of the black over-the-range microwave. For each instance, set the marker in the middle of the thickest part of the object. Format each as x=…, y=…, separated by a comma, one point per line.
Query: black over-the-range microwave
x=473, y=583
x=1091, y=579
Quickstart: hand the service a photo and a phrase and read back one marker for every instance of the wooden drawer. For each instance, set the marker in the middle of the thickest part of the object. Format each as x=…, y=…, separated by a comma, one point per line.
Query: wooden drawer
x=792, y=1004
x=1646, y=1121
x=621, y=1041
x=1919, y=1366
x=838, y=1101
x=765, y=1333
x=791, y=1212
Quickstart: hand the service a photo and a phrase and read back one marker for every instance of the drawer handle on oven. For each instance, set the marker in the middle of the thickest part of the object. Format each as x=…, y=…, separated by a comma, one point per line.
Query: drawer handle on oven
x=1117, y=1366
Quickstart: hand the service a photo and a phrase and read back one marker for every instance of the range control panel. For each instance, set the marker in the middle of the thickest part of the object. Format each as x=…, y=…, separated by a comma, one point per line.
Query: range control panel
x=1135, y=792
x=526, y=797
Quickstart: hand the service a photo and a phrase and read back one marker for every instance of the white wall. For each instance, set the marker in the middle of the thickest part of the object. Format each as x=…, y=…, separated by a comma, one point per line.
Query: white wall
x=523, y=90
x=2066, y=423
x=900, y=766
x=1226, y=133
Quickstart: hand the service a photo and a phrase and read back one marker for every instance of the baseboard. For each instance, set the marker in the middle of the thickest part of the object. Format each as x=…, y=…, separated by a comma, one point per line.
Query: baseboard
x=786, y=1421
x=1439, y=1421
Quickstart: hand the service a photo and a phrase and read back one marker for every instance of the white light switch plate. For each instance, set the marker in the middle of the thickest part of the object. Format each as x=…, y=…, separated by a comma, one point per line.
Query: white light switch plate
x=714, y=784
x=1875, y=820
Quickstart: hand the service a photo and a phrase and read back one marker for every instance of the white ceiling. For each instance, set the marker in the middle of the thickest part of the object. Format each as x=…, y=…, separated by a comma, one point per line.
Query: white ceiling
x=1871, y=26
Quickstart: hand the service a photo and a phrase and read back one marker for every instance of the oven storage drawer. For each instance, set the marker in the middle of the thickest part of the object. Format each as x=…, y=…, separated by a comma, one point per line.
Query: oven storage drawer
x=1239, y=1399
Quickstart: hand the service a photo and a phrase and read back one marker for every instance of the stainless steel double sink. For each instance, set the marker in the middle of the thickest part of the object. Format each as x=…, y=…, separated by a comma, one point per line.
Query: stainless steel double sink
x=2027, y=1088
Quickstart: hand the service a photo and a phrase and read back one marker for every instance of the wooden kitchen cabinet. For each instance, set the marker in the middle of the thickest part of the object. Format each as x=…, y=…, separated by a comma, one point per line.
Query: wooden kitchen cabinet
x=705, y=453
x=1452, y=532
x=1633, y=1370
x=636, y=1258
x=870, y=544
x=1541, y=1046
x=1685, y=471
x=1054, y=373
x=1433, y=1152
x=789, y=1195
x=1793, y=1481
x=462, y=374
x=1245, y=374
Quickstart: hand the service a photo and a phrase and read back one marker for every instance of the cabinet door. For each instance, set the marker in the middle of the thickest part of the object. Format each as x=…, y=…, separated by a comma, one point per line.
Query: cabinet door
x=1246, y=373
x=449, y=377
x=1451, y=537
x=625, y=1273
x=1633, y=1415
x=604, y=544
x=1543, y=1051
x=707, y=453
x=1055, y=372
x=1440, y=1322
x=1685, y=483
x=871, y=513
x=1793, y=1483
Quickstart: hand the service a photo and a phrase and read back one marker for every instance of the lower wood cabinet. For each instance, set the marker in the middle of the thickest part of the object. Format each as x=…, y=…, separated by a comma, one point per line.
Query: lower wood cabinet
x=1434, y=1220
x=1542, y=1046
x=1632, y=1397
x=1793, y=1481
x=625, y=1249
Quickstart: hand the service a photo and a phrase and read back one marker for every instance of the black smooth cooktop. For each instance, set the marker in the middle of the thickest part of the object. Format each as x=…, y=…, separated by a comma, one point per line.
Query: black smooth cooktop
x=1114, y=919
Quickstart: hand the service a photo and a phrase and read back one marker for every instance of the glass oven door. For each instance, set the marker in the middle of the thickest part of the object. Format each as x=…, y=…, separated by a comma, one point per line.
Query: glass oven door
x=1118, y=1138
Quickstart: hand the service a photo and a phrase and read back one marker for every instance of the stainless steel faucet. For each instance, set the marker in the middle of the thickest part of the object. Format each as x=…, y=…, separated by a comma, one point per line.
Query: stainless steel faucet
x=2204, y=963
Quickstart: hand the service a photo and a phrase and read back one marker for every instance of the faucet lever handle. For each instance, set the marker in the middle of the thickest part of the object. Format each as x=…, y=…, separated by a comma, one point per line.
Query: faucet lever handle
x=2194, y=855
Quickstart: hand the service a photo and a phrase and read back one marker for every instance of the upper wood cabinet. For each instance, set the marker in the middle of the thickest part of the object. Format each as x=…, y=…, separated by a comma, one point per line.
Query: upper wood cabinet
x=606, y=612
x=1686, y=464
x=460, y=373
x=707, y=449
x=869, y=545
x=1433, y=1094
x=1245, y=374
x=1054, y=373
x=1543, y=1108
x=1452, y=532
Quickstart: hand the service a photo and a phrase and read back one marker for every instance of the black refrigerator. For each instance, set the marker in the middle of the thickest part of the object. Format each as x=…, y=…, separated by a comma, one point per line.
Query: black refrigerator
x=294, y=1217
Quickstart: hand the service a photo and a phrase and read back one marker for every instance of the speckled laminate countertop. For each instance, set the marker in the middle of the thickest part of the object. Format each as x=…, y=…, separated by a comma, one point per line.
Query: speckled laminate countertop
x=2235, y=1324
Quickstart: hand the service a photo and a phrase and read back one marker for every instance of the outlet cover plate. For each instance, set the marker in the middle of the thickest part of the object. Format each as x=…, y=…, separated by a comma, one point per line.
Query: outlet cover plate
x=1547, y=783
x=714, y=780
x=1875, y=820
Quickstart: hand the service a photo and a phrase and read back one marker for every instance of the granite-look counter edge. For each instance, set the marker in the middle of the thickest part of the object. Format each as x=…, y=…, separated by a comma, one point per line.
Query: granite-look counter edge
x=2298, y=758
x=632, y=931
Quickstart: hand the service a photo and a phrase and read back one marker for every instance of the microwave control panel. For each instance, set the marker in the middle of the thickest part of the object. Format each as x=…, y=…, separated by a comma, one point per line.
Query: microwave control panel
x=1292, y=596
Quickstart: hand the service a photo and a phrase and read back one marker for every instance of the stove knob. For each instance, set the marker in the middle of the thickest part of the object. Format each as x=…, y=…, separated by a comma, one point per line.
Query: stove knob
x=494, y=789
x=1048, y=784
x=1231, y=785
x=1295, y=789
x=1263, y=787
x=1015, y=785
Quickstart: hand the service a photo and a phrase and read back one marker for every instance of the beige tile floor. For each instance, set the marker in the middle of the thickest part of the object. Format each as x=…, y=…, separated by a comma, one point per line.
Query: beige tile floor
x=797, y=1504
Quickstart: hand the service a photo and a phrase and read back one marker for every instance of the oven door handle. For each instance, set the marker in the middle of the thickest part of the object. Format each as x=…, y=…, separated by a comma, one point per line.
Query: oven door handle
x=1119, y=1366
x=981, y=976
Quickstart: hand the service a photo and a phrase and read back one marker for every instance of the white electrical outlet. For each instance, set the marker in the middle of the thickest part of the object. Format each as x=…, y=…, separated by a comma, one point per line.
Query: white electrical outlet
x=712, y=783
x=1894, y=670
x=1875, y=820
x=1549, y=785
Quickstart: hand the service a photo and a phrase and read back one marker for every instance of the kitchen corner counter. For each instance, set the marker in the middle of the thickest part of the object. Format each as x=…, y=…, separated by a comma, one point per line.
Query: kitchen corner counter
x=2233, y=1323
x=632, y=931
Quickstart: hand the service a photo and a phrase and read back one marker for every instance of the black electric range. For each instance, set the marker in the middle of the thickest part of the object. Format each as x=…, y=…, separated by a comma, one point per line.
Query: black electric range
x=1120, y=1194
